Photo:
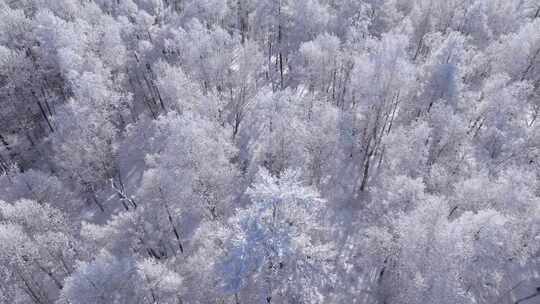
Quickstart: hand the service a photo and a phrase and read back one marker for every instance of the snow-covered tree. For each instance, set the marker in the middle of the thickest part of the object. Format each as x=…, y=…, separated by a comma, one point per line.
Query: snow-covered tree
x=277, y=251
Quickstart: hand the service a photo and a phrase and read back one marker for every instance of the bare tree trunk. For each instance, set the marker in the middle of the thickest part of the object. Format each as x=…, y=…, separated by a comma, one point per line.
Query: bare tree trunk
x=171, y=222
x=280, y=45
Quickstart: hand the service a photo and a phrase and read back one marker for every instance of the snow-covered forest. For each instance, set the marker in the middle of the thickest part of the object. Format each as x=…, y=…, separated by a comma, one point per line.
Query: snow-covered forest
x=269, y=151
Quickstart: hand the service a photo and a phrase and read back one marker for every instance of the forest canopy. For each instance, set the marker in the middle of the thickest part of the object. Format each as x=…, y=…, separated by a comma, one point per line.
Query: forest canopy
x=269, y=151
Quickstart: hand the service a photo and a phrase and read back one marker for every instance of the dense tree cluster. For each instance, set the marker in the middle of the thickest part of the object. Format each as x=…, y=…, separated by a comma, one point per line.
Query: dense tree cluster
x=269, y=151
